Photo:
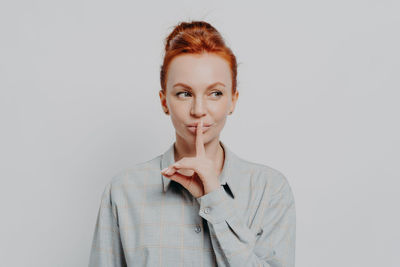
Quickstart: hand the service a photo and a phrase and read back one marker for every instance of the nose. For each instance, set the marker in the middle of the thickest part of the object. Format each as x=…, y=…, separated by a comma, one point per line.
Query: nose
x=198, y=107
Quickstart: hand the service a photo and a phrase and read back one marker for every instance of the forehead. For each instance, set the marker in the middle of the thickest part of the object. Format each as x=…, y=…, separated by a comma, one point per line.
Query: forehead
x=199, y=71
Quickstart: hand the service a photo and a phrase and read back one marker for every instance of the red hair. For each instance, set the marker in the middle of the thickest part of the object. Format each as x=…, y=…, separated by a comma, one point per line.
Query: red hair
x=196, y=37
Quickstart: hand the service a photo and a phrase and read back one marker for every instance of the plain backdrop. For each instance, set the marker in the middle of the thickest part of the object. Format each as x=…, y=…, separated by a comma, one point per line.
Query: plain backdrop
x=319, y=101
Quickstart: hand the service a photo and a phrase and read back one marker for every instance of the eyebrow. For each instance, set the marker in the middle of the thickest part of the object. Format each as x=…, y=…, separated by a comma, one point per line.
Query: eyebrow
x=188, y=87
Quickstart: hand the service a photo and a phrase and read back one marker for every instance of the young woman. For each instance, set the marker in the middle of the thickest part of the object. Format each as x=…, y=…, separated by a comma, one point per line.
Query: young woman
x=197, y=204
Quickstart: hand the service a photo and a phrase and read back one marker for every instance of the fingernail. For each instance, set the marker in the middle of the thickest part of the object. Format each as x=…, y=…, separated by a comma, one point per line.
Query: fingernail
x=163, y=170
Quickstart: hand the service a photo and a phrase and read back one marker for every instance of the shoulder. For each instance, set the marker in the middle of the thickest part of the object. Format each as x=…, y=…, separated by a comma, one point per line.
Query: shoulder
x=142, y=173
x=265, y=176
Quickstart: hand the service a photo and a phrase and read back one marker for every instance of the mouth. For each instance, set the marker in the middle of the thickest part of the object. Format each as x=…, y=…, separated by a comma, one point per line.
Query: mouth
x=195, y=124
x=193, y=129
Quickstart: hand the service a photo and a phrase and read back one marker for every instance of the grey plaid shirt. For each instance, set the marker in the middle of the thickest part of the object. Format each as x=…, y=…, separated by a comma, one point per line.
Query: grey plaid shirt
x=146, y=219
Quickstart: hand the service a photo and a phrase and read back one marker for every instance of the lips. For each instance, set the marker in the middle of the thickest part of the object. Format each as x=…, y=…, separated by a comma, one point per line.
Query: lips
x=194, y=128
x=195, y=124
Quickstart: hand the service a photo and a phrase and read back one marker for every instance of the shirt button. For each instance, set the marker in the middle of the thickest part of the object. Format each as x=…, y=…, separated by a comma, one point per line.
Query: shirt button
x=197, y=229
x=207, y=210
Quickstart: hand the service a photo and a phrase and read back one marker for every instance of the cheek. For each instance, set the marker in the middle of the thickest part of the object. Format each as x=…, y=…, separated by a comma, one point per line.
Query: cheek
x=178, y=109
x=179, y=112
x=220, y=111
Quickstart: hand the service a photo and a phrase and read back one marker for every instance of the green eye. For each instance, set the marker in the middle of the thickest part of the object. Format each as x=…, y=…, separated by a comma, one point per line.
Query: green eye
x=218, y=92
x=179, y=93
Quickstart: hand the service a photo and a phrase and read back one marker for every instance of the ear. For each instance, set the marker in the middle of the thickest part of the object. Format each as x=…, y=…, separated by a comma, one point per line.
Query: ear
x=163, y=100
x=235, y=97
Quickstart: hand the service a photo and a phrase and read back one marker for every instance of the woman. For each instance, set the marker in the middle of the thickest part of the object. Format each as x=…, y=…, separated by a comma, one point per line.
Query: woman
x=197, y=204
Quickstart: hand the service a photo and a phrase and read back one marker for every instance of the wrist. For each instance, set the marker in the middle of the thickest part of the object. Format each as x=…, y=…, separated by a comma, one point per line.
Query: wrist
x=211, y=187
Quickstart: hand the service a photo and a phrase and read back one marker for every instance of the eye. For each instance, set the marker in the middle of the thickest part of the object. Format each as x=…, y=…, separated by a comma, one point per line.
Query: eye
x=218, y=93
x=179, y=93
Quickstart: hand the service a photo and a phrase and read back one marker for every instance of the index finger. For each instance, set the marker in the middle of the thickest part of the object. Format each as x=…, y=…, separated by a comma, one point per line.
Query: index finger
x=200, y=150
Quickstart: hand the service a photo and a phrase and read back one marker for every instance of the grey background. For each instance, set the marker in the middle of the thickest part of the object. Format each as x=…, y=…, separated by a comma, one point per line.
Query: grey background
x=319, y=101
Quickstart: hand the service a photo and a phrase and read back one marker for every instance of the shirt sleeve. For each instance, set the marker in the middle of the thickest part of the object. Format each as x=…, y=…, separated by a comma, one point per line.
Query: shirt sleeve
x=235, y=244
x=106, y=247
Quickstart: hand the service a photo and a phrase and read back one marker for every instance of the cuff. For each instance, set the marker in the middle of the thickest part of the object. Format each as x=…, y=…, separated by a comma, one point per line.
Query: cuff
x=216, y=206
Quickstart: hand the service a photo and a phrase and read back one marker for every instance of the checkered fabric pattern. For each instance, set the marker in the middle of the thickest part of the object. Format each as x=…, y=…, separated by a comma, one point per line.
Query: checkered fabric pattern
x=146, y=219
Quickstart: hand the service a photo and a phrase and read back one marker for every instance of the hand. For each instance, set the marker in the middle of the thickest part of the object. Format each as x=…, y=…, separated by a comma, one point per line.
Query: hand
x=204, y=178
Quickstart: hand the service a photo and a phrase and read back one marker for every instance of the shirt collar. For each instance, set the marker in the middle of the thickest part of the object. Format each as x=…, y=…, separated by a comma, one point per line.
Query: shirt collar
x=226, y=176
